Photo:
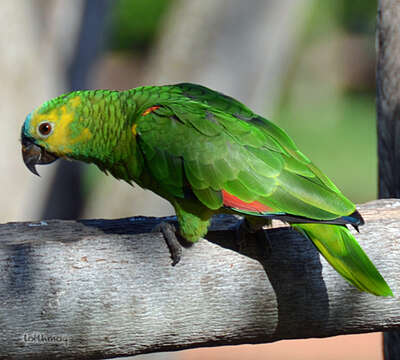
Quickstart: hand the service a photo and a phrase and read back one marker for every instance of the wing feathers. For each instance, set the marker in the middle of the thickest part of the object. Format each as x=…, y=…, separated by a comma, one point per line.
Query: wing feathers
x=316, y=195
x=231, y=201
x=257, y=184
x=230, y=148
x=211, y=198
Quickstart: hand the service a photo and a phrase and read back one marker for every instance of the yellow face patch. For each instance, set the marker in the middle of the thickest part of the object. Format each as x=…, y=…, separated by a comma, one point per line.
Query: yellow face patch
x=60, y=140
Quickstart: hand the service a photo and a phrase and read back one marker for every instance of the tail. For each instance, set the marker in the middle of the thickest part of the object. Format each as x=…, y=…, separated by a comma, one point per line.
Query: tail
x=342, y=251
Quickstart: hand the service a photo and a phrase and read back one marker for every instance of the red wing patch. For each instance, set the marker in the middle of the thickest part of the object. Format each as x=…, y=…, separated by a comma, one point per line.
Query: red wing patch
x=150, y=109
x=233, y=202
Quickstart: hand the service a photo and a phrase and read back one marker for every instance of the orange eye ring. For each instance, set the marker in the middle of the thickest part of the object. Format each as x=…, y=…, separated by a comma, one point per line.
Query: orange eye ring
x=45, y=128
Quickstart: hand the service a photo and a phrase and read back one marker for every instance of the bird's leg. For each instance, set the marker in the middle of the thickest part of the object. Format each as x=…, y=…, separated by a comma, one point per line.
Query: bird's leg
x=169, y=232
x=254, y=228
x=242, y=230
x=264, y=244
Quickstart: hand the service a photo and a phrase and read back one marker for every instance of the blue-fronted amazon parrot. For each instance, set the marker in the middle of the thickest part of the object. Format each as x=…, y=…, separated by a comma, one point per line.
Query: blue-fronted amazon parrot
x=206, y=153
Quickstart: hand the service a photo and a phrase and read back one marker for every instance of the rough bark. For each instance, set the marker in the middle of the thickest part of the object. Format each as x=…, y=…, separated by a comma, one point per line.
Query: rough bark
x=105, y=288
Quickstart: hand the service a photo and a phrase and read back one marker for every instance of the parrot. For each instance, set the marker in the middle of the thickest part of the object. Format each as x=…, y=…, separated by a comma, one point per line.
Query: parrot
x=206, y=153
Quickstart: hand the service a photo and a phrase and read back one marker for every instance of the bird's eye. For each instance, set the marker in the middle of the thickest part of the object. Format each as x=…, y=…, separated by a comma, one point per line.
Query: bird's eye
x=45, y=128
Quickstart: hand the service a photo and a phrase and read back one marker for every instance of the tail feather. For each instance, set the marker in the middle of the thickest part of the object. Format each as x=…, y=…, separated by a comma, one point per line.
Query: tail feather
x=342, y=251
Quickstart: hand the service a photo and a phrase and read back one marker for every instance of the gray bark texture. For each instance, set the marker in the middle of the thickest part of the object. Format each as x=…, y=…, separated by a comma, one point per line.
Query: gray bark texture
x=97, y=289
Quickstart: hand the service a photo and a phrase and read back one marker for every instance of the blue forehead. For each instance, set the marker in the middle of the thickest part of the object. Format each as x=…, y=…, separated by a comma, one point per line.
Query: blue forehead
x=27, y=123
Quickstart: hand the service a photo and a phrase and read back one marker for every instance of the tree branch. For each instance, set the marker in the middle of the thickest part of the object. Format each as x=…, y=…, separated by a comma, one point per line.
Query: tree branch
x=103, y=288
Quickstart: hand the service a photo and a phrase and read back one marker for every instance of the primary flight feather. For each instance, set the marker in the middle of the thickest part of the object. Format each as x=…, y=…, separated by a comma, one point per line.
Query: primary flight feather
x=206, y=153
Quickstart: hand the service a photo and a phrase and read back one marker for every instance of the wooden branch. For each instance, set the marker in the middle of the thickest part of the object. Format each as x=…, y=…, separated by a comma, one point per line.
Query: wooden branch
x=105, y=288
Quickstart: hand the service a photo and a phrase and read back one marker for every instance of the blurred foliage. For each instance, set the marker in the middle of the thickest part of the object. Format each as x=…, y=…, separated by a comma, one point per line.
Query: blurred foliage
x=357, y=16
x=336, y=127
x=134, y=23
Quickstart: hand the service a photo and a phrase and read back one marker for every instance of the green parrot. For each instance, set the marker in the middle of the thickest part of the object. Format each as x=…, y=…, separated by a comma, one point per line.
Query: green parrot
x=206, y=153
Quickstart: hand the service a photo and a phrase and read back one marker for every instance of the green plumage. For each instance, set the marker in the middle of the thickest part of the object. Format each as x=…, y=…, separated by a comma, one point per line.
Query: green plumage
x=196, y=147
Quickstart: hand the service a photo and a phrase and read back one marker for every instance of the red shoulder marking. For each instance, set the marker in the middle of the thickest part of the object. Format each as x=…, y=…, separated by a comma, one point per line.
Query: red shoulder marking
x=233, y=202
x=150, y=109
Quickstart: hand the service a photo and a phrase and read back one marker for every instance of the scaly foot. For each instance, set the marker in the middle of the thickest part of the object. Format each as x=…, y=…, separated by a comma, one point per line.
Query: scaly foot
x=169, y=232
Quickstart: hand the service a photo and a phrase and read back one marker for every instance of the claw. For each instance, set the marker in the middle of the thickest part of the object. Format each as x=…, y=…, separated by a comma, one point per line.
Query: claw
x=169, y=232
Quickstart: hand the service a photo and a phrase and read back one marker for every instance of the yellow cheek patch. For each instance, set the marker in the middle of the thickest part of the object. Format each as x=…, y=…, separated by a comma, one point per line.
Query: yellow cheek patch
x=60, y=141
x=60, y=137
x=51, y=116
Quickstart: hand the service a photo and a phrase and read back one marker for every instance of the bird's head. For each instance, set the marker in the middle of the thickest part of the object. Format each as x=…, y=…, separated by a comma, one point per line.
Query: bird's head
x=53, y=130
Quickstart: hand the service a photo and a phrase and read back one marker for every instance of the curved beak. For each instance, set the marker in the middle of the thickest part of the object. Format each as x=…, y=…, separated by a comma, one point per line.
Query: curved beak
x=33, y=154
